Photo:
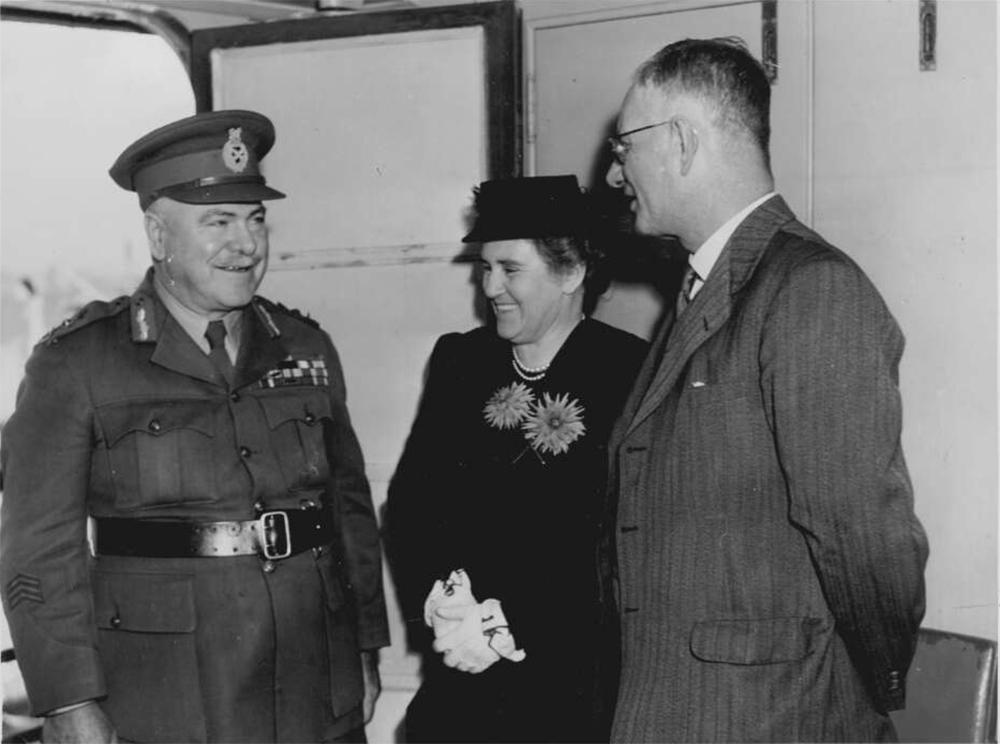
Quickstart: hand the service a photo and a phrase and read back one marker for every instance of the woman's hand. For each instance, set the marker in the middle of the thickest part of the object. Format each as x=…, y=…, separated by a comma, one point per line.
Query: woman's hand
x=472, y=636
x=466, y=647
x=455, y=592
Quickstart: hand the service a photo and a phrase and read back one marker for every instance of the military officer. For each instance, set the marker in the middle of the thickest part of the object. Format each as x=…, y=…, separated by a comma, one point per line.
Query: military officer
x=231, y=590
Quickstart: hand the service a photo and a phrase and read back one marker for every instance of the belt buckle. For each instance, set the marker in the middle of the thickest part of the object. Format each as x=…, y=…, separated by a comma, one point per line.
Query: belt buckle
x=274, y=544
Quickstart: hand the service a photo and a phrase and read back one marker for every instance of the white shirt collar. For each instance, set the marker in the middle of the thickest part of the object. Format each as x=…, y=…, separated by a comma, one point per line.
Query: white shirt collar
x=708, y=253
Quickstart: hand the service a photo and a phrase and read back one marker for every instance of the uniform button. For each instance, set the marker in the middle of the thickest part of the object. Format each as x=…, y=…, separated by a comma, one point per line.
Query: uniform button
x=268, y=566
x=258, y=506
x=245, y=452
x=317, y=551
x=310, y=419
x=154, y=425
x=234, y=397
x=116, y=622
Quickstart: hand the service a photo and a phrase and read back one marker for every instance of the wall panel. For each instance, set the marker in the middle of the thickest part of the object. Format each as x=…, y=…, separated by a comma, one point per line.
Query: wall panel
x=906, y=183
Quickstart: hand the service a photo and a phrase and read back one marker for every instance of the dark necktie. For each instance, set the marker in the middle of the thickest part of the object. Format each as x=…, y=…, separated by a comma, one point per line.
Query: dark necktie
x=216, y=335
x=687, y=284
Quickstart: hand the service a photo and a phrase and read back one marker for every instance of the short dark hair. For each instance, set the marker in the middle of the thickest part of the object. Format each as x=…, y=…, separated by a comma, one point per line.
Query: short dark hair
x=722, y=71
x=563, y=253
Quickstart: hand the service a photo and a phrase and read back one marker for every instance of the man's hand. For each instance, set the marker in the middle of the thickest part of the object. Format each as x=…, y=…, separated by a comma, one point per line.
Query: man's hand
x=373, y=682
x=85, y=725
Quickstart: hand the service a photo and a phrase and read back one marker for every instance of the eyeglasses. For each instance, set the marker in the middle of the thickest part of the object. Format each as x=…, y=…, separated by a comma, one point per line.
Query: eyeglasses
x=620, y=148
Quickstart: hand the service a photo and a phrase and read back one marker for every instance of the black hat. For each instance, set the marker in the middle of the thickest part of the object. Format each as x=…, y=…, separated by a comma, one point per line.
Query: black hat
x=532, y=207
x=208, y=158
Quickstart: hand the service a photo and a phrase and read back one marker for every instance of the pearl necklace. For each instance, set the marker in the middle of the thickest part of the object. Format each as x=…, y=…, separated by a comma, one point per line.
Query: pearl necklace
x=526, y=373
x=532, y=374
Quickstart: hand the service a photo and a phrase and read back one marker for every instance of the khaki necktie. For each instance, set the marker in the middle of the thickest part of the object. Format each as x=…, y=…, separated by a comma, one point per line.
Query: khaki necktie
x=687, y=284
x=216, y=335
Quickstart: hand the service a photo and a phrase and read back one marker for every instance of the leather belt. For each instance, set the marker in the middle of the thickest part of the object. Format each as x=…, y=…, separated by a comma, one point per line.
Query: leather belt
x=273, y=535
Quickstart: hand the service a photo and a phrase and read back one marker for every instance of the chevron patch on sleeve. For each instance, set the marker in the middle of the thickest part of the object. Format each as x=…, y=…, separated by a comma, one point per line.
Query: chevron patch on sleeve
x=24, y=588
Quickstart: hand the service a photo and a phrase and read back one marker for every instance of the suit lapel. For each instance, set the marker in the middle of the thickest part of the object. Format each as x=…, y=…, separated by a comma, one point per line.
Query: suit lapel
x=643, y=379
x=707, y=312
x=710, y=308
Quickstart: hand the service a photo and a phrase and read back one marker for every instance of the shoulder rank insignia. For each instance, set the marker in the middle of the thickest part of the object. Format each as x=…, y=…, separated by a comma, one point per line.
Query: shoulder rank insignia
x=266, y=305
x=89, y=313
x=296, y=372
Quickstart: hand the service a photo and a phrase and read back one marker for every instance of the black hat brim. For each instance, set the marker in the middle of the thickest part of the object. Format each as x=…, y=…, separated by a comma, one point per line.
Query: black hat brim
x=234, y=193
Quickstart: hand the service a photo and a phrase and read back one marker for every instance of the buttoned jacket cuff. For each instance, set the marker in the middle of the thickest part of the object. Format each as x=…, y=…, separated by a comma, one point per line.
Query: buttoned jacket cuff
x=892, y=693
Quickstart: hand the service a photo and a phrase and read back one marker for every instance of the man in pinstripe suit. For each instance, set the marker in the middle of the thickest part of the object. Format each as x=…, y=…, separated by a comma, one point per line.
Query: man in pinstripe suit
x=769, y=561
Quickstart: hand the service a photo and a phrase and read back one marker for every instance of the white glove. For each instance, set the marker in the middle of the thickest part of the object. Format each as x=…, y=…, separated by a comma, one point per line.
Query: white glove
x=498, y=634
x=472, y=636
x=465, y=648
x=455, y=592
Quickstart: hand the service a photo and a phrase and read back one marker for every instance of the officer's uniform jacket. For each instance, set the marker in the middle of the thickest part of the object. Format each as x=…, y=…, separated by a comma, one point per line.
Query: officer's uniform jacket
x=120, y=414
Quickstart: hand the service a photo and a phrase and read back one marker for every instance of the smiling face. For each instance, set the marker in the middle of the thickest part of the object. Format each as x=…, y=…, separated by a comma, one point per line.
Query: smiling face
x=644, y=176
x=211, y=257
x=529, y=299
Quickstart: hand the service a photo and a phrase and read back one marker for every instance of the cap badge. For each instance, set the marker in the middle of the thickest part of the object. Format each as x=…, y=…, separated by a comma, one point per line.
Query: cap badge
x=234, y=153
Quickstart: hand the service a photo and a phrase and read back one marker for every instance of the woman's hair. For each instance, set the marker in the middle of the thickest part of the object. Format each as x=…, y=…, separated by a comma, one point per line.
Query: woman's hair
x=563, y=253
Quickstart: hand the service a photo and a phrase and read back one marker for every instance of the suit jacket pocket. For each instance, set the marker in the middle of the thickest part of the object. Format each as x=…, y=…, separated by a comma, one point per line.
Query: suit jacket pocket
x=146, y=624
x=757, y=641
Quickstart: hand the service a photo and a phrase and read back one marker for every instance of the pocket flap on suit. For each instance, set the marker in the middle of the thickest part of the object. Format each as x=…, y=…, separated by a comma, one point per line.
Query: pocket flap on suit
x=757, y=641
x=144, y=602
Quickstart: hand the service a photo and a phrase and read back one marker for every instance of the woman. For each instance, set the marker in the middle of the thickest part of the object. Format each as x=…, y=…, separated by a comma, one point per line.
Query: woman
x=494, y=509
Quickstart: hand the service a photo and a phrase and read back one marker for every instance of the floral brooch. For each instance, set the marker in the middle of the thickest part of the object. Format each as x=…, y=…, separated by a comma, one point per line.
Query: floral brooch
x=550, y=425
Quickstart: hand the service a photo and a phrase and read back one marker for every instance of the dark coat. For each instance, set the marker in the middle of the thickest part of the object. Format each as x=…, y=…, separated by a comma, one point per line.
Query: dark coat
x=771, y=565
x=523, y=524
x=120, y=414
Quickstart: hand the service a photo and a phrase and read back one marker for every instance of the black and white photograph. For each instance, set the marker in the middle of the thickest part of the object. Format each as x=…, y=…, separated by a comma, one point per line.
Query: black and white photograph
x=499, y=371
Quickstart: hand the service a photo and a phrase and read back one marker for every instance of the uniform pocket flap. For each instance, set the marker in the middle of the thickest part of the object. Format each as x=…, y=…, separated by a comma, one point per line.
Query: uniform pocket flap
x=155, y=418
x=144, y=602
x=758, y=641
x=305, y=406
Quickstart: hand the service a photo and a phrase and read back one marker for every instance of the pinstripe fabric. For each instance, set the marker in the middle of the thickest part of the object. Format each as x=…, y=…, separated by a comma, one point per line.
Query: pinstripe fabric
x=770, y=565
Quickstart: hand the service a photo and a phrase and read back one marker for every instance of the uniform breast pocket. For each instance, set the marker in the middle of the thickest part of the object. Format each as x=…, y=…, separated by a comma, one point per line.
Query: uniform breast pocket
x=160, y=452
x=297, y=421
